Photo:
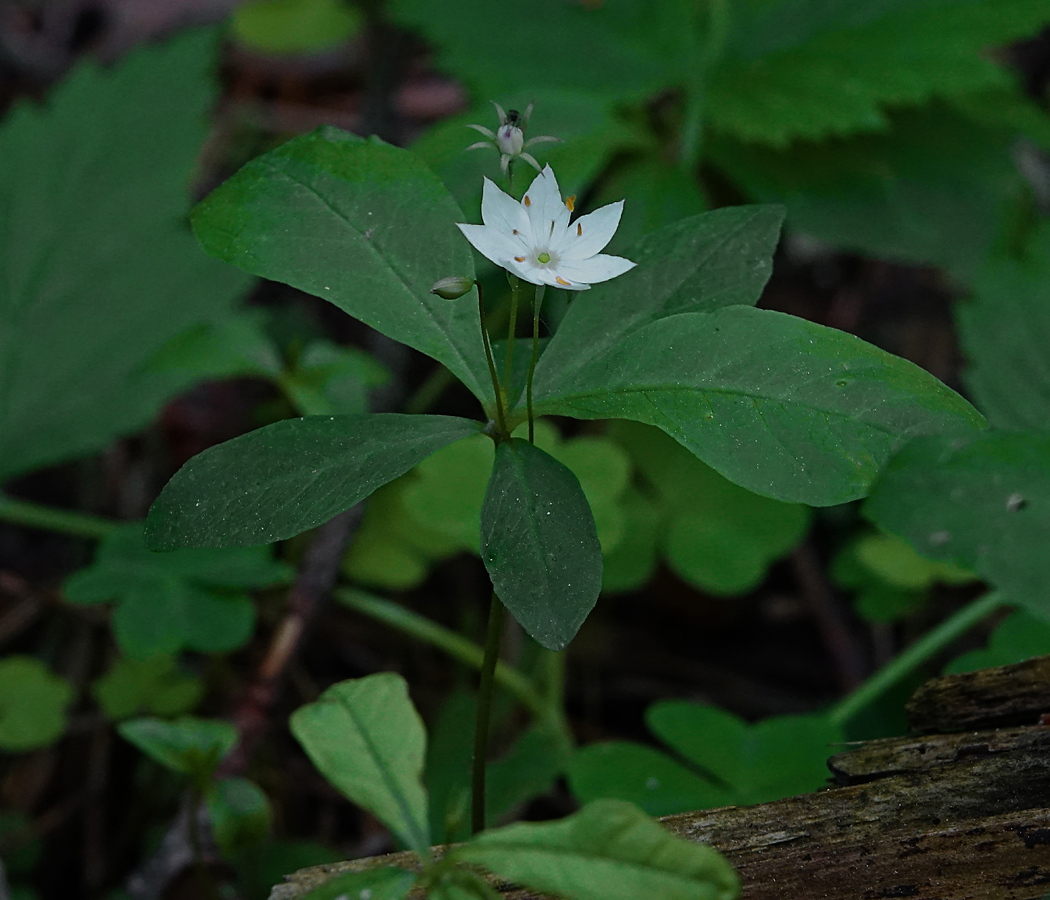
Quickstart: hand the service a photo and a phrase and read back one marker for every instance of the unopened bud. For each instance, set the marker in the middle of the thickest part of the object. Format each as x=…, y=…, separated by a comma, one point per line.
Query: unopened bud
x=453, y=287
x=510, y=139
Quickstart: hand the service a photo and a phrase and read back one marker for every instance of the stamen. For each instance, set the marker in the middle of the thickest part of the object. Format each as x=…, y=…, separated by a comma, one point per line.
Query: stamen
x=552, y=229
x=579, y=230
x=516, y=231
x=571, y=203
x=519, y=259
x=561, y=280
x=528, y=202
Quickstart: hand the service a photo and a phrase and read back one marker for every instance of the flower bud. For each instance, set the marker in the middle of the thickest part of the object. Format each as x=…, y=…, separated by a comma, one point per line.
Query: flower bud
x=510, y=139
x=453, y=287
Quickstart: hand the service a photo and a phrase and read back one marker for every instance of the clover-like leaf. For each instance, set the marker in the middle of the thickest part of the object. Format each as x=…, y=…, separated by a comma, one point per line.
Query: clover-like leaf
x=155, y=685
x=240, y=814
x=192, y=599
x=189, y=745
x=33, y=703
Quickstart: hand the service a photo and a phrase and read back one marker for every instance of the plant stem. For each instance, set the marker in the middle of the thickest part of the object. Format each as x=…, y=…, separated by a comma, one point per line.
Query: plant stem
x=501, y=416
x=708, y=53
x=33, y=515
x=913, y=657
x=455, y=645
x=481, y=723
x=537, y=305
x=512, y=326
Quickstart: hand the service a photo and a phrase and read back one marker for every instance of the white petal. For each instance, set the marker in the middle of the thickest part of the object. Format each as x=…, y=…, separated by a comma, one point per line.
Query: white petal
x=504, y=213
x=524, y=271
x=591, y=232
x=490, y=243
x=595, y=269
x=542, y=201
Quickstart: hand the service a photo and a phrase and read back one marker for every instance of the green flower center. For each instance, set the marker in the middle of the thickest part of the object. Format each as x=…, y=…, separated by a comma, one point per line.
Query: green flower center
x=544, y=257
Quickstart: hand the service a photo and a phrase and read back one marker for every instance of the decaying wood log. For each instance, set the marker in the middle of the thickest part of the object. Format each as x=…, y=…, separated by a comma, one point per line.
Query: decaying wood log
x=987, y=698
x=959, y=816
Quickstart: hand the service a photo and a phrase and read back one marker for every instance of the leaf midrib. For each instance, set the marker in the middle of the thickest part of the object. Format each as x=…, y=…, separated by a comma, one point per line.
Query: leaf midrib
x=443, y=330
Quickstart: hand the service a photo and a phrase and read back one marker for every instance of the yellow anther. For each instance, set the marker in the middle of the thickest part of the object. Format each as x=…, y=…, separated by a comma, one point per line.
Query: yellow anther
x=571, y=203
x=579, y=230
x=561, y=280
x=528, y=202
x=519, y=259
x=516, y=231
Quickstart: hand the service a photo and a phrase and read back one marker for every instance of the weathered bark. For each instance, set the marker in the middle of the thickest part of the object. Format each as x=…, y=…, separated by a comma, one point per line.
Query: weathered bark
x=987, y=698
x=937, y=817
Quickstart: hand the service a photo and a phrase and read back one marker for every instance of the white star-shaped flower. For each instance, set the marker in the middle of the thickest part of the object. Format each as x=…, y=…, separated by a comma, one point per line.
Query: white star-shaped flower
x=535, y=240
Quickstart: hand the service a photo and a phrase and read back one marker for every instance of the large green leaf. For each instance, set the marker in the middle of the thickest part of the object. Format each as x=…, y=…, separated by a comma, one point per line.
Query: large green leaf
x=982, y=503
x=931, y=190
x=367, y=739
x=810, y=68
x=1005, y=331
x=779, y=405
x=539, y=543
x=362, y=224
x=499, y=48
x=97, y=271
x=280, y=480
x=609, y=850
x=700, y=264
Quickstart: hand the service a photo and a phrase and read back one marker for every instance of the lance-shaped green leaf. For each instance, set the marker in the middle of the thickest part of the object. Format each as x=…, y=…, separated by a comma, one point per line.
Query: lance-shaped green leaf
x=367, y=739
x=700, y=264
x=362, y=224
x=281, y=480
x=609, y=850
x=982, y=504
x=539, y=543
x=779, y=405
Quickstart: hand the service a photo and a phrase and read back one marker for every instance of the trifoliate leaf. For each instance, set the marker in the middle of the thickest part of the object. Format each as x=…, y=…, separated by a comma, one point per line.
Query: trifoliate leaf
x=99, y=271
x=165, y=602
x=331, y=380
x=777, y=757
x=33, y=703
x=156, y=685
x=240, y=813
x=188, y=745
x=1018, y=637
x=716, y=535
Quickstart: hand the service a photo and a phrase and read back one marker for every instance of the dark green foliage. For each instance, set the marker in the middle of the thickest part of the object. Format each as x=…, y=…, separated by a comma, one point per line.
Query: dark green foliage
x=192, y=599
x=539, y=543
